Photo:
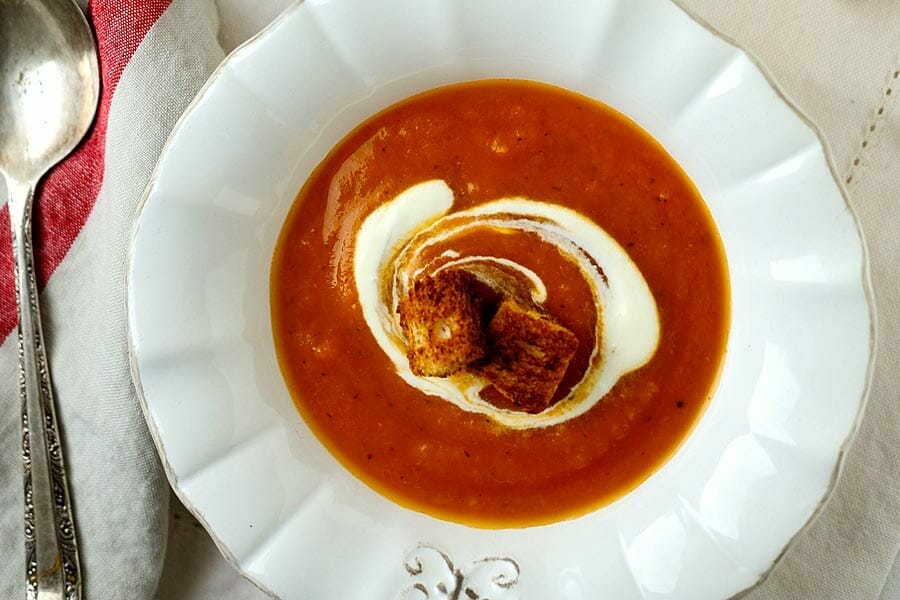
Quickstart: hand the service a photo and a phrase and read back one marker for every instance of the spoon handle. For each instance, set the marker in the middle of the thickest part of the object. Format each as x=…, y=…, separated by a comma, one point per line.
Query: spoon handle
x=51, y=553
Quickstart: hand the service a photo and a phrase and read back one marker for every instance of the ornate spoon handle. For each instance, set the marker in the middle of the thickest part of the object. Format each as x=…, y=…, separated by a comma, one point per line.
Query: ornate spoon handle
x=51, y=554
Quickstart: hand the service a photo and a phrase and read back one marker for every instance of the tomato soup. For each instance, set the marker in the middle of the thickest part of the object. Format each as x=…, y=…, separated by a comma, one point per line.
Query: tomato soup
x=491, y=140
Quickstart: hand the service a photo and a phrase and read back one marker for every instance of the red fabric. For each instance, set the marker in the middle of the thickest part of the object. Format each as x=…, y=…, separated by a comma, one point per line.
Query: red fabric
x=67, y=194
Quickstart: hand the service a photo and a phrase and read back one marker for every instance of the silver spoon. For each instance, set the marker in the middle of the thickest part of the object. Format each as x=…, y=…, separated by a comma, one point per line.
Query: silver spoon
x=49, y=86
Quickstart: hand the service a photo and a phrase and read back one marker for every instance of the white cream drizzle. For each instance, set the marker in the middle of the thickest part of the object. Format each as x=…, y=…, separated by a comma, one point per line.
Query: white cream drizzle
x=386, y=262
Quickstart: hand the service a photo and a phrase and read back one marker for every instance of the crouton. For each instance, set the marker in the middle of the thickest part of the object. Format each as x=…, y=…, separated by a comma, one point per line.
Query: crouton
x=528, y=354
x=442, y=320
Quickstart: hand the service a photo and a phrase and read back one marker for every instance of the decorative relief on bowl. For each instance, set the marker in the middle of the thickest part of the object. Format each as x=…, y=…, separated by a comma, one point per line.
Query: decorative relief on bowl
x=436, y=578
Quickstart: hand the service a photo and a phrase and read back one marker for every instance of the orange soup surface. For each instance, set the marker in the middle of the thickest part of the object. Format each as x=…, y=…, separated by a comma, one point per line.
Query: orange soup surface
x=490, y=140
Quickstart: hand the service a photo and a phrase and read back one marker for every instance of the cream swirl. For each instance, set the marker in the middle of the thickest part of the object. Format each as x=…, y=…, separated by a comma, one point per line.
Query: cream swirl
x=392, y=250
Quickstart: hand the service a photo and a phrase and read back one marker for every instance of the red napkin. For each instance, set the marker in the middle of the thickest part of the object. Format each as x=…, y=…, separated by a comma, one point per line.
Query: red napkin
x=69, y=190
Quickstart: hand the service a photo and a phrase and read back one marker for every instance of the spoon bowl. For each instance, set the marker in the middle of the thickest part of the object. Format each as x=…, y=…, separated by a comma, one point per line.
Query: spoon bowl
x=49, y=84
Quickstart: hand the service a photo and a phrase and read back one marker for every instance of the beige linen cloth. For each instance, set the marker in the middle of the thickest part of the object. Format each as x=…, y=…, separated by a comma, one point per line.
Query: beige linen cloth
x=839, y=62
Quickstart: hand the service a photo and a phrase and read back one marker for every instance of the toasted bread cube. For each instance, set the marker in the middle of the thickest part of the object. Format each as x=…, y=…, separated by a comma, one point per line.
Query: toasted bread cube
x=528, y=356
x=441, y=318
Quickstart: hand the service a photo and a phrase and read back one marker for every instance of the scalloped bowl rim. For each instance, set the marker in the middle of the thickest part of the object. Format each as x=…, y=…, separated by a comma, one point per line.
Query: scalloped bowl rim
x=260, y=39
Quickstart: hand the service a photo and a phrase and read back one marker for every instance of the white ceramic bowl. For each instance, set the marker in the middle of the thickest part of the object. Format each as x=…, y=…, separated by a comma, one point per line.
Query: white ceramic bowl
x=711, y=522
